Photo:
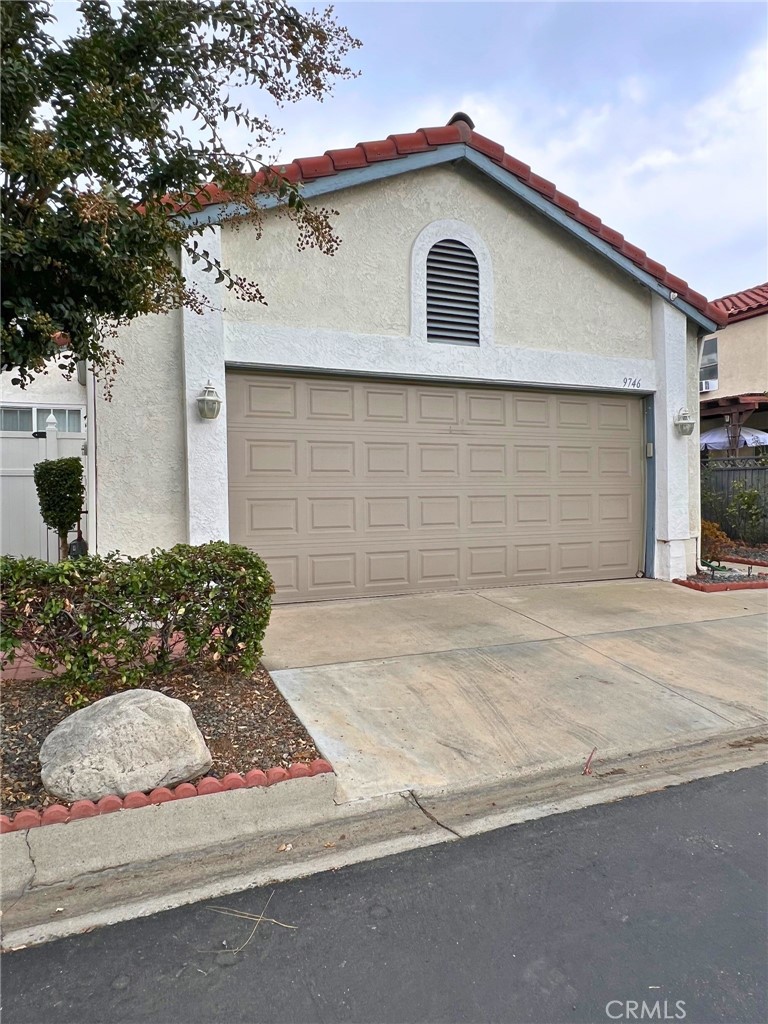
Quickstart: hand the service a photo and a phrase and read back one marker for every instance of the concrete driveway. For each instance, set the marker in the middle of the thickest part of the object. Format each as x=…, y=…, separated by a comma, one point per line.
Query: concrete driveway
x=434, y=691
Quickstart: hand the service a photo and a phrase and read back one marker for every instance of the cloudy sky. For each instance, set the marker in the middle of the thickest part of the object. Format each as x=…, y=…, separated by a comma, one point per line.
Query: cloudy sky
x=652, y=115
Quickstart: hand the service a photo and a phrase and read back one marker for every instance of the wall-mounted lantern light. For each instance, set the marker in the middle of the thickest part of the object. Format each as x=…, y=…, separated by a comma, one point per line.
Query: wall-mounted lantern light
x=209, y=402
x=684, y=422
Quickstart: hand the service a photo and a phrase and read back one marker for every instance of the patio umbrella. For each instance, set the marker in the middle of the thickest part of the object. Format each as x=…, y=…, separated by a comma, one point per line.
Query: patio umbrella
x=717, y=439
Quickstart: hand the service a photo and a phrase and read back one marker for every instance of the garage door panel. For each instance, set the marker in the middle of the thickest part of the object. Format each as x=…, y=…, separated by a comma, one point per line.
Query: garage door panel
x=386, y=460
x=438, y=512
x=326, y=402
x=485, y=460
x=486, y=409
x=575, y=461
x=533, y=561
x=367, y=487
x=485, y=564
x=269, y=400
x=385, y=405
x=615, y=416
x=440, y=564
x=437, y=406
x=575, y=413
x=530, y=411
x=614, y=461
x=531, y=460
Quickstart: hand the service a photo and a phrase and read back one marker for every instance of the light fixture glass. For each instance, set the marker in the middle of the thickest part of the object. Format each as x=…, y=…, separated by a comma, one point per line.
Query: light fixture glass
x=209, y=402
x=684, y=422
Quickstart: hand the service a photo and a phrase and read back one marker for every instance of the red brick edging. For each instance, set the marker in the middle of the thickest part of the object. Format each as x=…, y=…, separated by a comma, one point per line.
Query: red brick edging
x=744, y=561
x=58, y=814
x=716, y=588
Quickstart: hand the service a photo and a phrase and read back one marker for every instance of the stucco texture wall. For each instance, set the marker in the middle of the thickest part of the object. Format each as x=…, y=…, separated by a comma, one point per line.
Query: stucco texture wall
x=550, y=293
x=742, y=359
x=48, y=389
x=140, y=444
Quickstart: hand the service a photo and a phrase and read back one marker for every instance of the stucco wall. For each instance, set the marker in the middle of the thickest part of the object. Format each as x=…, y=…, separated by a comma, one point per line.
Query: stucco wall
x=742, y=359
x=48, y=389
x=549, y=292
x=140, y=446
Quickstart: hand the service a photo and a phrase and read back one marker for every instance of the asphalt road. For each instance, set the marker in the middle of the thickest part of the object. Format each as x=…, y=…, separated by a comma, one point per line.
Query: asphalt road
x=580, y=917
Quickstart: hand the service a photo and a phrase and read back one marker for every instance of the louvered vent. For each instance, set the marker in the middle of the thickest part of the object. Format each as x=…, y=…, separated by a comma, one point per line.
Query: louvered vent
x=453, y=293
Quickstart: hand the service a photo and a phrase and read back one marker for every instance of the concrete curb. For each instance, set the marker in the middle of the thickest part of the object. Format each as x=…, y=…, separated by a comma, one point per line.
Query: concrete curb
x=57, y=882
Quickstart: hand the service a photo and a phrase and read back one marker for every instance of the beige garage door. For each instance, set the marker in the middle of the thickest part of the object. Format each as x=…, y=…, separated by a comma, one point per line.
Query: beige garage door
x=362, y=487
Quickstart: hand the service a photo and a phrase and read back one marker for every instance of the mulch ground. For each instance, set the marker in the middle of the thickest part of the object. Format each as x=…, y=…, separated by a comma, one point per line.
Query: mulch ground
x=735, y=550
x=728, y=577
x=246, y=723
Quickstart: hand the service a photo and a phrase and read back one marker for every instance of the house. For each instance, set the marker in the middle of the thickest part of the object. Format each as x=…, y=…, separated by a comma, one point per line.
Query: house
x=24, y=441
x=733, y=376
x=485, y=386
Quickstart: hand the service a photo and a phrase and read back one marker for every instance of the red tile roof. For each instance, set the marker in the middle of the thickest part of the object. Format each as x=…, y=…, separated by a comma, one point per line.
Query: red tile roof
x=460, y=129
x=743, y=305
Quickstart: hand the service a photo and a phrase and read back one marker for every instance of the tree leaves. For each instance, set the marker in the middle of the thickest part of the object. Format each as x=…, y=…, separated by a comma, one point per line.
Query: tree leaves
x=98, y=169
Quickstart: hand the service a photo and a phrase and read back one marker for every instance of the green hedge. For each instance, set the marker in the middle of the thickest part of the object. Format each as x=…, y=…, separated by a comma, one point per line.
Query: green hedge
x=101, y=618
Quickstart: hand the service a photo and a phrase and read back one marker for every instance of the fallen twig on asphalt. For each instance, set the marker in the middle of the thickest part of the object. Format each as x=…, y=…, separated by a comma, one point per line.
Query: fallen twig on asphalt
x=258, y=918
x=250, y=917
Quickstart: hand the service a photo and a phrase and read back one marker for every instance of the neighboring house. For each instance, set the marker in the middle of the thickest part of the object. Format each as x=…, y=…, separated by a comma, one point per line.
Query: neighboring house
x=23, y=415
x=733, y=376
x=485, y=386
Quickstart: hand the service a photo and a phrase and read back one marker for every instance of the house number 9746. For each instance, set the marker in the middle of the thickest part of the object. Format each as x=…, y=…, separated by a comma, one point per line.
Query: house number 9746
x=632, y=382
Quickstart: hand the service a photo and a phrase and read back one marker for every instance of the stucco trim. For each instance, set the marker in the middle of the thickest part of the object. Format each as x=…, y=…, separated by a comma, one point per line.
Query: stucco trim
x=206, y=440
x=435, y=232
x=331, y=351
x=675, y=541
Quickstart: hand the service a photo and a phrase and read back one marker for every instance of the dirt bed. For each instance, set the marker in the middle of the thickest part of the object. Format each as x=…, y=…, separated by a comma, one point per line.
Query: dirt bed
x=246, y=723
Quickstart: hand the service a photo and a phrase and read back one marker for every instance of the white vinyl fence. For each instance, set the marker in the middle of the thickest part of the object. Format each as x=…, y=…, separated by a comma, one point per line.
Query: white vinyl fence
x=22, y=530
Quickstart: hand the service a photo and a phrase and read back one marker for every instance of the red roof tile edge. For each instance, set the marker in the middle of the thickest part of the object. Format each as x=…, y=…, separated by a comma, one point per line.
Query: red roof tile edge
x=430, y=139
x=745, y=304
x=58, y=814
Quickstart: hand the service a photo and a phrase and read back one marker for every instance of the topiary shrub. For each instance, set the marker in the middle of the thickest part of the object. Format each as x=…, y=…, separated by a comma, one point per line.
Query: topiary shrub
x=61, y=493
x=713, y=541
x=111, y=617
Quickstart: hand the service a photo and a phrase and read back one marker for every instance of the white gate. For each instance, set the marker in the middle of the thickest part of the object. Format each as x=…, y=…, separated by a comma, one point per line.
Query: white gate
x=22, y=530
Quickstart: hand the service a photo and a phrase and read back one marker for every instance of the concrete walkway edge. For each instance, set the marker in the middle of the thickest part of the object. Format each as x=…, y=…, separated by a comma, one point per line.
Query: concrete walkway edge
x=66, y=879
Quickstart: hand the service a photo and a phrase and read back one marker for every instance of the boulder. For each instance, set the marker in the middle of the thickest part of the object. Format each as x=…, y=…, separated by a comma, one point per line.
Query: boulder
x=132, y=741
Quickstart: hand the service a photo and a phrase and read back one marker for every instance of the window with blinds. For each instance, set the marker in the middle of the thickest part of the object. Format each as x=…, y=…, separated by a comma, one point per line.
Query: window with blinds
x=453, y=293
